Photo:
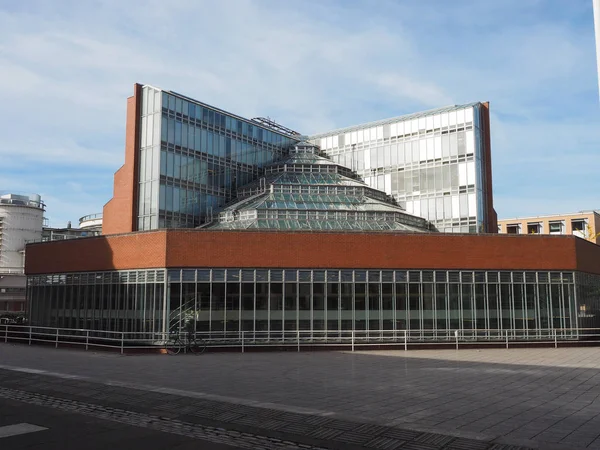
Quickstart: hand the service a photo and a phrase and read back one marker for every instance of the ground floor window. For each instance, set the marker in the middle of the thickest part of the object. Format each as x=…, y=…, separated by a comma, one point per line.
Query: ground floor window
x=319, y=302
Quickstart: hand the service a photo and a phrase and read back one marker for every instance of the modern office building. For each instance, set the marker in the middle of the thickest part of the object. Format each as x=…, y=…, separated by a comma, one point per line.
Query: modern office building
x=21, y=218
x=436, y=164
x=290, y=238
x=184, y=160
x=584, y=224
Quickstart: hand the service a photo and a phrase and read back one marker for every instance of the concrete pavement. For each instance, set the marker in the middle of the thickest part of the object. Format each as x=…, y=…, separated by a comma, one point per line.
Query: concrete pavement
x=534, y=398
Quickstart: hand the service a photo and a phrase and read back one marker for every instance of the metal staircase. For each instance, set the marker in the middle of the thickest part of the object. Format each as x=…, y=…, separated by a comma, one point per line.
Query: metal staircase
x=181, y=315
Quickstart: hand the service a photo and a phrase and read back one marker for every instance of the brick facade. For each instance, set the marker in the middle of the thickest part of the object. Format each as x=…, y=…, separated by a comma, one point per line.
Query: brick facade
x=205, y=248
x=120, y=213
x=491, y=225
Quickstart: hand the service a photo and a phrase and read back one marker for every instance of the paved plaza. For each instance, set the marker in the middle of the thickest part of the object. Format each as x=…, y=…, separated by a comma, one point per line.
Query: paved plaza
x=427, y=399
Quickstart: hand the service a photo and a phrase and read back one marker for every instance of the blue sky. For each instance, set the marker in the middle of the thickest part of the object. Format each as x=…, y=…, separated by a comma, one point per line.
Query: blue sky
x=67, y=67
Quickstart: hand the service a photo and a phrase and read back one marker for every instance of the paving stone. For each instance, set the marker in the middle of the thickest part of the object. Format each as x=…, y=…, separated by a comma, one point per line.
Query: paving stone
x=371, y=429
x=419, y=446
x=298, y=428
x=341, y=425
x=467, y=444
x=435, y=439
x=217, y=435
x=385, y=443
x=351, y=437
x=325, y=433
x=403, y=435
x=508, y=447
x=442, y=391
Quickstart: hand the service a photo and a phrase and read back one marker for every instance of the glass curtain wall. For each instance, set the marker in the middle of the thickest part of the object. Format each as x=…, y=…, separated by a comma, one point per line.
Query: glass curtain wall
x=432, y=163
x=425, y=303
x=193, y=158
x=129, y=301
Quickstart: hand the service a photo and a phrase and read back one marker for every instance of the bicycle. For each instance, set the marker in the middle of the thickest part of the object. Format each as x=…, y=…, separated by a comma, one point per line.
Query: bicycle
x=187, y=343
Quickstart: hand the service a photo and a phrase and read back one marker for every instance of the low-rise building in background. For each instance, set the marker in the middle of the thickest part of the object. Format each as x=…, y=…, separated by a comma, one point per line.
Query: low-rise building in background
x=584, y=224
x=21, y=220
x=90, y=225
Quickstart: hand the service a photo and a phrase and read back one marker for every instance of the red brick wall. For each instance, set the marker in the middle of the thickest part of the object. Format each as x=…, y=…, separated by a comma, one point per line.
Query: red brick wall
x=588, y=258
x=137, y=250
x=204, y=248
x=491, y=225
x=120, y=213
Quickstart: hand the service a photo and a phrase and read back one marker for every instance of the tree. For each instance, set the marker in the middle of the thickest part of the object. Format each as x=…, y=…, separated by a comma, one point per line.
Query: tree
x=590, y=235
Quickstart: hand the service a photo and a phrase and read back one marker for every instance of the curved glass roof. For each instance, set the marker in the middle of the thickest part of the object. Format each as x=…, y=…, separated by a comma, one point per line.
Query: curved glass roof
x=306, y=191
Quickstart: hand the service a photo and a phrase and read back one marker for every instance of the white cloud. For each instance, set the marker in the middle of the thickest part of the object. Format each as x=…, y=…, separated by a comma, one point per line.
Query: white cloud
x=68, y=67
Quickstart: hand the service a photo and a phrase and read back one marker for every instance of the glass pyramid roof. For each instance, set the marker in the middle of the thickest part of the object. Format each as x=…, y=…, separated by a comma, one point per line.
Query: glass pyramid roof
x=306, y=191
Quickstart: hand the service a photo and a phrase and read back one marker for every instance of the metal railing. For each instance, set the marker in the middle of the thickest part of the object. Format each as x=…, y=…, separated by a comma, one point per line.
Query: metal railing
x=90, y=217
x=12, y=271
x=297, y=339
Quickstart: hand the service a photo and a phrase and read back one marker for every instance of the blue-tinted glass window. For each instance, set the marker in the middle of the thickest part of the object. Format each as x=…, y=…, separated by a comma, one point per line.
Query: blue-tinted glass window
x=228, y=148
x=290, y=275
x=169, y=198
x=171, y=131
x=170, y=164
x=163, y=163
x=209, y=143
x=178, y=105
x=177, y=166
x=175, y=199
x=221, y=151
x=161, y=197
x=164, y=124
x=197, y=135
x=171, y=103
x=178, y=132
x=203, y=137
x=184, y=171
x=217, y=119
x=192, y=111
x=184, y=135
x=191, y=143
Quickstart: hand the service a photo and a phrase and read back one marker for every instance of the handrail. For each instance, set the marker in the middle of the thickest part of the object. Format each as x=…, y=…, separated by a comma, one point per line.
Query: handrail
x=90, y=217
x=123, y=340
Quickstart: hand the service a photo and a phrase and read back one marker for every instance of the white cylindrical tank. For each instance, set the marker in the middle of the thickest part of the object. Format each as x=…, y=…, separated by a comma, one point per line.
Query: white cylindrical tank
x=21, y=219
x=91, y=222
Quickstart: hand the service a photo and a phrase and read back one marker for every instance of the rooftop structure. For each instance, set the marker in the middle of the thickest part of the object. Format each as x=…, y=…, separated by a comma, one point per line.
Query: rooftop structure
x=306, y=191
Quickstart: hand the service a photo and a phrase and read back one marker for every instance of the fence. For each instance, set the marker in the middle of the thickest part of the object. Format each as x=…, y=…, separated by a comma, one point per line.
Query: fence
x=242, y=340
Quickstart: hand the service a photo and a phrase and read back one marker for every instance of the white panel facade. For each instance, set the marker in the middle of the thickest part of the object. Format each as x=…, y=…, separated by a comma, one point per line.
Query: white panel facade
x=427, y=161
